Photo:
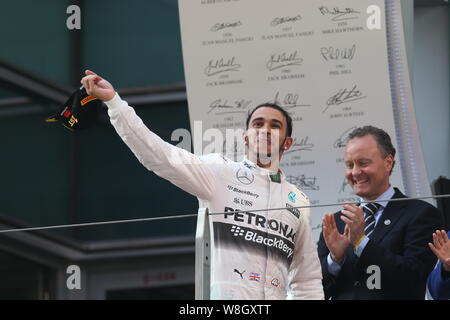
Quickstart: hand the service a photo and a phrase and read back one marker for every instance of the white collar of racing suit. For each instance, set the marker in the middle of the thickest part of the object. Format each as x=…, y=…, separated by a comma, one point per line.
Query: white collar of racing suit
x=251, y=165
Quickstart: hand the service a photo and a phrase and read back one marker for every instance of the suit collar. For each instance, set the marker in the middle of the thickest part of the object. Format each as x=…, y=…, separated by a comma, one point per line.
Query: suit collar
x=390, y=217
x=381, y=200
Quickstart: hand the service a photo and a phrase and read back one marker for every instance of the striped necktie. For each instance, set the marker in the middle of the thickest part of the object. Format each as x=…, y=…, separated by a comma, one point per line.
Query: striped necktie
x=369, y=217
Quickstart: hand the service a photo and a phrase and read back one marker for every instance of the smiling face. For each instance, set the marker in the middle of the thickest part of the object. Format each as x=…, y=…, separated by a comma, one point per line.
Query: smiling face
x=366, y=169
x=266, y=136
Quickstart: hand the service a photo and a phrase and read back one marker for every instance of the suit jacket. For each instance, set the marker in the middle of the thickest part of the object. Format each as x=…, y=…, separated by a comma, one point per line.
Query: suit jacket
x=399, y=248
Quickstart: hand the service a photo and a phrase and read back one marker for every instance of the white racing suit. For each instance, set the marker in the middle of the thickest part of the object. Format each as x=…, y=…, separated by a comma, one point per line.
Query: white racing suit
x=255, y=255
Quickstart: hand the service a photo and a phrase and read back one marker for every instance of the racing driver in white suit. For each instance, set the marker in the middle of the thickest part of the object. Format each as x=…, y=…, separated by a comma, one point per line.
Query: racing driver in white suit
x=255, y=255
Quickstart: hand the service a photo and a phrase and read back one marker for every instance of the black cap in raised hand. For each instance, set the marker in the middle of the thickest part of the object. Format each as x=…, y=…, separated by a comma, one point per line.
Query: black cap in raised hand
x=80, y=111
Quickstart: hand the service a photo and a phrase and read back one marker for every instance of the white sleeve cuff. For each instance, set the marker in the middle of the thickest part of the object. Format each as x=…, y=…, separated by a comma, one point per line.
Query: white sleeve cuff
x=358, y=251
x=333, y=267
x=115, y=103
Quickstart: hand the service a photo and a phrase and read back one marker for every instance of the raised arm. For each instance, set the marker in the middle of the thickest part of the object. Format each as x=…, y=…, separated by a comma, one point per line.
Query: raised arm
x=191, y=173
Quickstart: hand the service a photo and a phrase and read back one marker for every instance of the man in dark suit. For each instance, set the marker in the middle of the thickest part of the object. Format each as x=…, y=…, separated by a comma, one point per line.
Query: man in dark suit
x=377, y=250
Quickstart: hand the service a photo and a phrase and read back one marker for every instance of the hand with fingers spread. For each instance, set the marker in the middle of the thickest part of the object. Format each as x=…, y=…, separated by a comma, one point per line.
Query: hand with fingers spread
x=98, y=87
x=336, y=242
x=441, y=248
x=353, y=217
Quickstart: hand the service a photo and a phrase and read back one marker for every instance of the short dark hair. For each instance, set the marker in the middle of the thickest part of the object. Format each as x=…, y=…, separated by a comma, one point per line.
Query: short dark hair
x=276, y=107
x=381, y=137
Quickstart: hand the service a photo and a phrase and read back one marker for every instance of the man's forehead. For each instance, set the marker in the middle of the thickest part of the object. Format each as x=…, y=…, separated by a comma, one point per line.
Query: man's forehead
x=268, y=113
x=361, y=146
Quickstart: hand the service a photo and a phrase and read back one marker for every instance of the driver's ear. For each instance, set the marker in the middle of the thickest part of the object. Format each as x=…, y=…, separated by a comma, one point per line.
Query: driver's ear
x=245, y=137
x=288, y=143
